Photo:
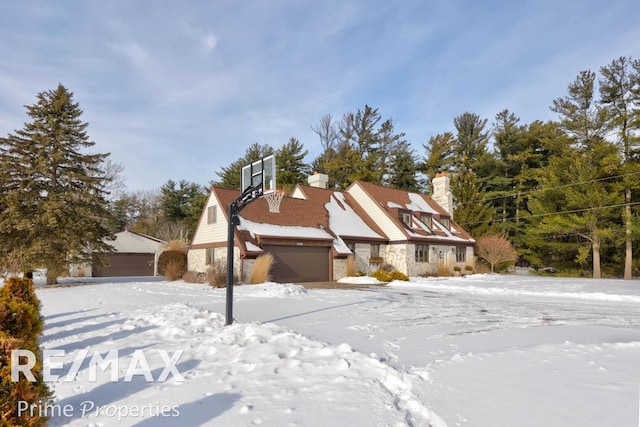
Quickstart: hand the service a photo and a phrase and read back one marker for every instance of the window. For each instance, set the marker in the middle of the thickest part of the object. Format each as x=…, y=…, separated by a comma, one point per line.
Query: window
x=352, y=247
x=461, y=254
x=422, y=253
x=406, y=218
x=212, y=214
x=375, y=251
x=426, y=220
x=210, y=256
x=446, y=222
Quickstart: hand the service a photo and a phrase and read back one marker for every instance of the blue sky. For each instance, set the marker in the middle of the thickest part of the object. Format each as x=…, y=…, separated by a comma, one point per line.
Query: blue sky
x=177, y=89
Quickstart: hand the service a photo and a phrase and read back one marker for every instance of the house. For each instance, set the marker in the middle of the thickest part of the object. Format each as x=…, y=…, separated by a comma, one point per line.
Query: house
x=318, y=229
x=135, y=254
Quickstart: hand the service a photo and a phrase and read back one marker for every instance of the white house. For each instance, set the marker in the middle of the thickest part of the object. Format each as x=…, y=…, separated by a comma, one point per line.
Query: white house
x=317, y=229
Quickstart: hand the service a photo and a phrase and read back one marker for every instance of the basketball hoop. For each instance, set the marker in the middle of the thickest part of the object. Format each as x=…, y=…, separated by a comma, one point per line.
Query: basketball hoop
x=274, y=200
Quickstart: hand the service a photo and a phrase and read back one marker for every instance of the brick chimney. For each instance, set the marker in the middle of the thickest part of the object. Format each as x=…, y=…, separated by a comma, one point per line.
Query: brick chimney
x=442, y=192
x=319, y=180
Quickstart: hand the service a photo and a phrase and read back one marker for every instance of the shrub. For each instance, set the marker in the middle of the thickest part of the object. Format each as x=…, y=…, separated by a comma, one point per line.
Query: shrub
x=20, y=319
x=444, y=267
x=21, y=287
x=398, y=275
x=468, y=269
x=172, y=271
x=261, y=268
x=387, y=267
x=20, y=327
x=193, y=277
x=352, y=268
x=217, y=274
x=381, y=275
x=176, y=245
x=178, y=259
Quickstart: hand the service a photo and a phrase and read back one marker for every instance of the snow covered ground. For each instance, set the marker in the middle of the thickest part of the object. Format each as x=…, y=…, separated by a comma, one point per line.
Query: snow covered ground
x=485, y=350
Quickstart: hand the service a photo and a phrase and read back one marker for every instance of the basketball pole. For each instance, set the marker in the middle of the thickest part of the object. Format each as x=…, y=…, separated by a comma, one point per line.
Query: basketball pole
x=250, y=194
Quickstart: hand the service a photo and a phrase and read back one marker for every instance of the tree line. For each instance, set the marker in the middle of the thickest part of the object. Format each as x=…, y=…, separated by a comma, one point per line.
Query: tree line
x=564, y=192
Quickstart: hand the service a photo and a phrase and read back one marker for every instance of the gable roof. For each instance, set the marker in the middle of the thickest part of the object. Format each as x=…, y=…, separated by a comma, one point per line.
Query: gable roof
x=321, y=215
x=131, y=242
x=392, y=201
x=329, y=218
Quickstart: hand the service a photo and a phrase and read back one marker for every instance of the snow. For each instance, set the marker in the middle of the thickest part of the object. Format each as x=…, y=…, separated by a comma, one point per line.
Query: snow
x=419, y=204
x=252, y=248
x=260, y=229
x=344, y=221
x=482, y=350
x=360, y=280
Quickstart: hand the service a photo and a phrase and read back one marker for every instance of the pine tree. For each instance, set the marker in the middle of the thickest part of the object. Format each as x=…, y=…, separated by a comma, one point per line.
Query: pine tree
x=438, y=153
x=580, y=116
x=403, y=168
x=471, y=210
x=620, y=96
x=290, y=165
x=231, y=175
x=470, y=148
x=54, y=207
x=574, y=207
x=182, y=205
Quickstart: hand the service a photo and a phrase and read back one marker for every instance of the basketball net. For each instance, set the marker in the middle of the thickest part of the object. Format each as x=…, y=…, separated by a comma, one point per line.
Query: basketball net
x=274, y=200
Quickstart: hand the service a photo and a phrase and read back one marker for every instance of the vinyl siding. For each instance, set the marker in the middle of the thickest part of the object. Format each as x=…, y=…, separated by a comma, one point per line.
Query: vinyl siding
x=376, y=213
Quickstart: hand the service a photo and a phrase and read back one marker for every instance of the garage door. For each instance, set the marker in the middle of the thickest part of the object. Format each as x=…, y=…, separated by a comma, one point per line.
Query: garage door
x=127, y=264
x=295, y=264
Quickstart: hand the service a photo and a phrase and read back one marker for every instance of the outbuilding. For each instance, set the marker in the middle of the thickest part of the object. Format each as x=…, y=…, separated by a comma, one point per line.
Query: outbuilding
x=135, y=254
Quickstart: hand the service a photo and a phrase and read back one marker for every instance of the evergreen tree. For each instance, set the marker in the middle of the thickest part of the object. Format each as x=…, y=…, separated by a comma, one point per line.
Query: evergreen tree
x=182, y=205
x=438, y=154
x=403, y=168
x=574, y=209
x=364, y=139
x=620, y=96
x=290, y=165
x=471, y=209
x=580, y=116
x=231, y=175
x=54, y=207
x=470, y=148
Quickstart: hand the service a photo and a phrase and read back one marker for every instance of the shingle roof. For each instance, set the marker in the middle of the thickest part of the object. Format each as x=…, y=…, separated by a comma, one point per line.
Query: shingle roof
x=325, y=214
x=392, y=200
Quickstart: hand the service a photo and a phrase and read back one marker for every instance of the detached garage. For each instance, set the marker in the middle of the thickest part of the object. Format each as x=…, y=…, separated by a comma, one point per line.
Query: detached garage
x=135, y=255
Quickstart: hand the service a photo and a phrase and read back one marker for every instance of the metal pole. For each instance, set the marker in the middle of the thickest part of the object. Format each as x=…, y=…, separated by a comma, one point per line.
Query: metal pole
x=230, y=238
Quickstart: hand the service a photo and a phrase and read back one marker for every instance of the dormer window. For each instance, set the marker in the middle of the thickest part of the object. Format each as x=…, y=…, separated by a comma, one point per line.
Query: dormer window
x=426, y=220
x=405, y=217
x=446, y=222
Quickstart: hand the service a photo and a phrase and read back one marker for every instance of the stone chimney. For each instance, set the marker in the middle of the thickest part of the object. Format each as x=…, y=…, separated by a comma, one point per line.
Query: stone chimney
x=318, y=180
x=442, y=192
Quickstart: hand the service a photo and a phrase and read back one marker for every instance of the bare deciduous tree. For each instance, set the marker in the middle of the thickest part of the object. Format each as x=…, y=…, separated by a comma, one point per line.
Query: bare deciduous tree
x=496, y=249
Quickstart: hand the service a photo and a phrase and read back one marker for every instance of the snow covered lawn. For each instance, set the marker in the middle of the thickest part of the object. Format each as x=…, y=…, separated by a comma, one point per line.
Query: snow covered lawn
x=485, y=350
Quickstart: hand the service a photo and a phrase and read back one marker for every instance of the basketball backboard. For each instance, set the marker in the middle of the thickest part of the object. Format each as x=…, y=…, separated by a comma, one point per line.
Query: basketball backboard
x=261, y=174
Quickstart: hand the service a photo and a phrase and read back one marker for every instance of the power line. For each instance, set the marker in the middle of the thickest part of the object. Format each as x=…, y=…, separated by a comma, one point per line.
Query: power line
x=552, y=213
x=515, y=193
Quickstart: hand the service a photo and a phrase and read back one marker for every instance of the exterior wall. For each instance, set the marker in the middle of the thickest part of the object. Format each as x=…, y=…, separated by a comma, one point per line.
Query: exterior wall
x=247, y=268
x=339, y=268
x=397, y=254
x=363, y=253
x=376, y=213
x=80, y=270
x=211, y=233
x=196, y=259
x=128, y=242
